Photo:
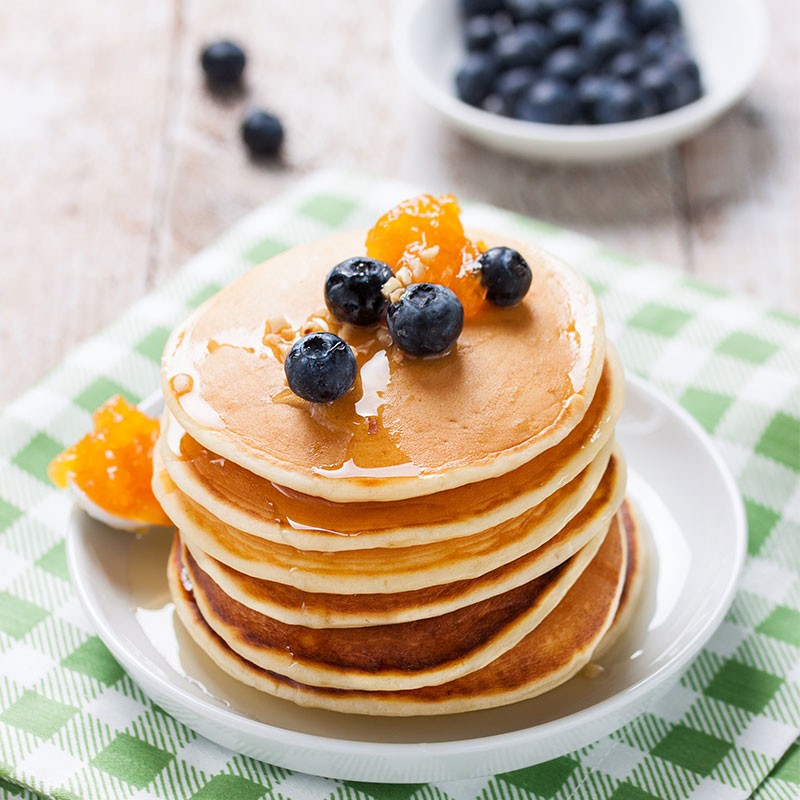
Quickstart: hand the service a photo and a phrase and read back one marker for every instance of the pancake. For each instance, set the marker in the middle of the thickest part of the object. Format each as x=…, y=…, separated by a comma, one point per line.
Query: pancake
x=326, y=610
x=257, y=506
x=634, y=579
x=517, y=382
x=593, y=497
x=436, y=649
x=552, y=653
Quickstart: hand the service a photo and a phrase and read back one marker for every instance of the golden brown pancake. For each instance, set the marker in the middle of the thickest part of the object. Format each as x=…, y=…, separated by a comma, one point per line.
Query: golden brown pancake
x=554, y=651
x=593, y=497
x=261, y=508
x=326, y=610
x=434, y=650
x=515, y=384
x=634, y=578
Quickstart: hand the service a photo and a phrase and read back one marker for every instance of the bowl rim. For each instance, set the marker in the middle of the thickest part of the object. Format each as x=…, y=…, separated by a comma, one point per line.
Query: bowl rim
x=705, y=109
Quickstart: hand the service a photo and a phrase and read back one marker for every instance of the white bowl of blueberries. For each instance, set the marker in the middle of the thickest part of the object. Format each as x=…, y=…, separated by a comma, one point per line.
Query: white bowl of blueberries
x=581, y=80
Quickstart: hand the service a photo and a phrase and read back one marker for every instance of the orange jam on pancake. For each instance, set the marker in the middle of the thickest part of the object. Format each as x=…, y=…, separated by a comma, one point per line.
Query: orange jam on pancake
x=425, y=236
x=113, y=465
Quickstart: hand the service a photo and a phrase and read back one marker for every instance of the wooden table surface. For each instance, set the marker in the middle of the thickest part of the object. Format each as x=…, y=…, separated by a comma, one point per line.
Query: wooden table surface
x=117, y=165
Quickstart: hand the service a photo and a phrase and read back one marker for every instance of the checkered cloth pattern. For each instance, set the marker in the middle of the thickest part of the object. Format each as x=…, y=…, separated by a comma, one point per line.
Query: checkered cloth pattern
x=73, y=724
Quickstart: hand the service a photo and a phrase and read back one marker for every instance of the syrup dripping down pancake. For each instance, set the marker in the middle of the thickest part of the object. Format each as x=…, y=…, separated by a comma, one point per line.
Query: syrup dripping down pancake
x=594, y=495
x=256, y=506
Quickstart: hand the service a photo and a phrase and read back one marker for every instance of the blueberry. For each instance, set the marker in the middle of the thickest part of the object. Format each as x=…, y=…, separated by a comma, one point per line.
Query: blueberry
x=649, y=14
x=626, y=64
x=528, y=10
x=672, y=88
x=426, y=320
x=353, y=290
x=567, y=26
x=619, y=102
x=607, y=37
x=525, y=46
x=656, y=43
x=589, y=88
x=223, y=62
x=566, y=63
x=320, y=367
x=616, y=9
x=262, y=133
x=474, y=79
x=506, y=276
x=494, y=104
x=472, y=7
x=479, y=33
x=550, y=101
x=512, y=84
x=677, y=60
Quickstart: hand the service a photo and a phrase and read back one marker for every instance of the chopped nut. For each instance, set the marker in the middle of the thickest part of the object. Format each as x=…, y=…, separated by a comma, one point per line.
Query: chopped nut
x=429, y=253
x=405, y=276
x=395, y=296
x=392, y=285
x=275, y=324
x=417, y=269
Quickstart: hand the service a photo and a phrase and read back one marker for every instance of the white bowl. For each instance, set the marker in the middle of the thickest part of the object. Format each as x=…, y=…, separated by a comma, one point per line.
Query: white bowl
x=728, y=38
x=692, y=515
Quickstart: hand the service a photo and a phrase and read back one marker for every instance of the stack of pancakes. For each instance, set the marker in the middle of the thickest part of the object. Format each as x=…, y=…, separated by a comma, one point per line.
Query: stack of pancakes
x=450, y=535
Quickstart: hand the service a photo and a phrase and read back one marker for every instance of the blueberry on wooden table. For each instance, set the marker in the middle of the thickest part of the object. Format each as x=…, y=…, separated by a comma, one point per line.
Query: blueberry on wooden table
x=262, y=132
x=223, y=62
x=353, y=290
x=426, y=320
x=320, y=367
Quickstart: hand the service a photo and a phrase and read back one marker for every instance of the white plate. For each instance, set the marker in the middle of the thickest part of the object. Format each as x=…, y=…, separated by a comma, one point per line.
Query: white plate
x=692, y=515
x=729, y=39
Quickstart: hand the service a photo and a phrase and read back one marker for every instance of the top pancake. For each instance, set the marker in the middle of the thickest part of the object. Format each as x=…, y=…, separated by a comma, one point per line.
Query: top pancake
x=516, y=383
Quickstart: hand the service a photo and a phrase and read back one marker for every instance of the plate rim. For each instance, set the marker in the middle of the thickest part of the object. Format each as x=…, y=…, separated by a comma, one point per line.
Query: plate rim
x=398, y=752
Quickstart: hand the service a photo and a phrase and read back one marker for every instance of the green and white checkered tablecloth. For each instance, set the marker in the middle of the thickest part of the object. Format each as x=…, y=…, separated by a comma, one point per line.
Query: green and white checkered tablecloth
x=73, y=724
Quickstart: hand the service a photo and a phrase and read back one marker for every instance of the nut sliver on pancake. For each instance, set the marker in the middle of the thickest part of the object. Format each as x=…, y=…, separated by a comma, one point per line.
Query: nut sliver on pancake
x=437, y=649
x=552, y=653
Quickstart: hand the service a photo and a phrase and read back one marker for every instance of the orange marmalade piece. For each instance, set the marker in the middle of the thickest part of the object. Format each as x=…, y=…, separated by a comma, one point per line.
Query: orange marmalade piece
x=113, y=465
x=425, y=235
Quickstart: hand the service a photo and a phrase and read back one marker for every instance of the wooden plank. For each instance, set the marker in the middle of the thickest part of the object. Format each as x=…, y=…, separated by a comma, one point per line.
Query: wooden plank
x=119, y=164
x=743, y=182
x=349, y=105
x=82, y=93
